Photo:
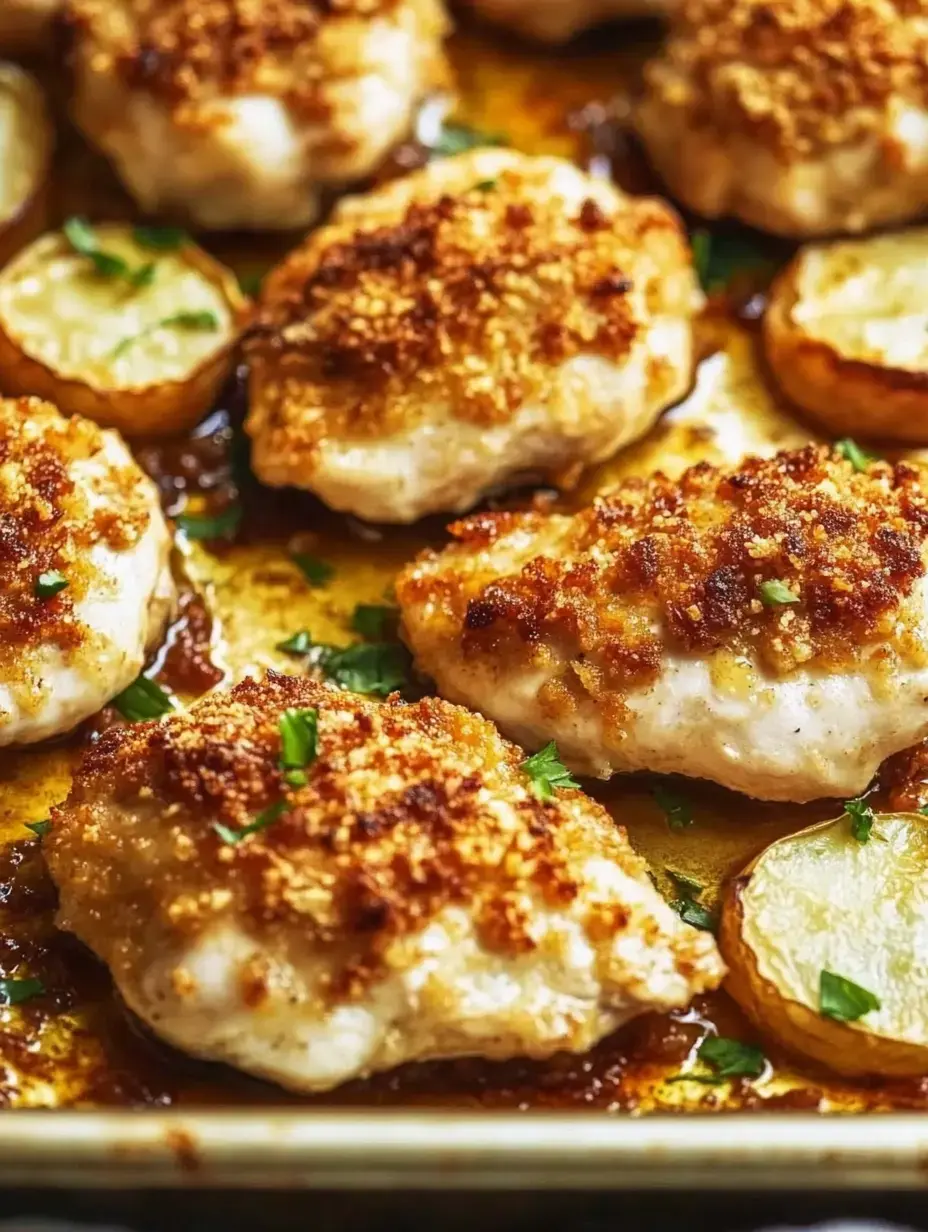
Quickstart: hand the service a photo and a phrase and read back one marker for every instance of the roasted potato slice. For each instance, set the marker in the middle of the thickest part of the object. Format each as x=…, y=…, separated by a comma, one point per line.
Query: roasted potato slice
x=826, y=939
x=846, y=335
x=26, y=142
x=133, y=328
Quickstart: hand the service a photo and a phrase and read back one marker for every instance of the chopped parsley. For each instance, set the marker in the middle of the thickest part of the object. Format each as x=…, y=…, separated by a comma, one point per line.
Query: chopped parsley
x=485, y=185
x=547, y=772
x=775, y=593
x=161, y=239
x=456, y=138
x=143, y=700
x=718, y=258
x=686, y=885
x=862, y=818
x=201, y=526
x=676, y=808
x=729, y=1058
x=372, y=620
x=39, y=828
x=842, y=999
x=299, y=731
x=50, y=583
x=15, y=992
x=250, y=284
x=694, y=913
x=83, y=239
x=200, y=320
x=369, y=667
x=858, y=458
x=261, y=822
x=298, y=643
x=317, y=572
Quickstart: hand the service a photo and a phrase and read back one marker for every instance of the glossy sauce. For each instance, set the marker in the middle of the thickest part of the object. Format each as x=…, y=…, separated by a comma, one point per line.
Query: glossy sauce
x=76, y=1044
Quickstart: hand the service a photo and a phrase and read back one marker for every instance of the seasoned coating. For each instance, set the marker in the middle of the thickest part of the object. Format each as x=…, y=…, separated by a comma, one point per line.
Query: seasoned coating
x=413, y=899
x=73, y=503
x=556, y=21
x=803, y=117
x=764, y=626
x=235, y=113
x=846, y=335
x=491, y=317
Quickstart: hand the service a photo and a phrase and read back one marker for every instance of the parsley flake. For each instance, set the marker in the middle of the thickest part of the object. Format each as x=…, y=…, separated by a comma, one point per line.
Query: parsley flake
x=298, y=739
x=842, y=999
x=694, y=913
x=862, y=818
x=161, y=239
x=456, y=138
x=261, y=822
x=547, y=772
x=372, y=620
x=317, y=572
x=201, y=526
x=39, y=828
x=300, y=643
x=369, y=667
x=686, y=885
x=202, y=320
x=858, y=458
x=143, y=700
x=485, y=185
x=83, y=239
x=50, y=583
x=729, y=1058
x=676, y=808
x=15, y=992
x=775, y=593
x=717, y=259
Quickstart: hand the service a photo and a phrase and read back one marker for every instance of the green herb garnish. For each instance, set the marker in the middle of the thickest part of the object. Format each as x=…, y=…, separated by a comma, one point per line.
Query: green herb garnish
x=317, y=572
x=83, y=239
x=676, y=808
x=858, y=458
x=694, y=913
x=842, y=999
x=50, y=583
x=547, y=772
x=456, y=138
x=201, y=526
x=261, y=822
x=370, y=667
x=143, y=700
x=775, y=593
x=15, y=992
x=686, y=885
x=250, y=284
x=298, y=643
x=161, y=239
x=718, y=258
x=205, y=320
x=39, y=828
x=485, y=185
x=730, y=1058
x=298, y=739
x=372, y=620
x=862, y=818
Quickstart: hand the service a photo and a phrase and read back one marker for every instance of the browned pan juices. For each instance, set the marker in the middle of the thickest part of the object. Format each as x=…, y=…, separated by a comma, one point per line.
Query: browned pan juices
x=76, y=1044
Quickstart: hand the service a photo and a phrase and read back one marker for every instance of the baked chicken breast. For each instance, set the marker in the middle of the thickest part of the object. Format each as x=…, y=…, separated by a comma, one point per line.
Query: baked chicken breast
x=802, y=117
x=764, y=626
x=493, y=317
x=236, y=113
x=85, y=586
x=387, y=888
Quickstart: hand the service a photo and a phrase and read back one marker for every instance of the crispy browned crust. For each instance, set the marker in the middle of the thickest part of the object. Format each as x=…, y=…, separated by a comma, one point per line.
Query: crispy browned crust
x=187, y=52
x=796, y=75
x=45, y=524
x=658, y=566
x=465, y=298
x=396, y=822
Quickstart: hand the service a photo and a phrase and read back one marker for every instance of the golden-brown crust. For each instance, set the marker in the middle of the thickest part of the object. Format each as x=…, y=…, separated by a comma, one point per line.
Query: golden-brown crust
x=47, y=523
x=657, y=567
x=397, y=820
x=466, y=295
x=188, y=52
x=795, y=75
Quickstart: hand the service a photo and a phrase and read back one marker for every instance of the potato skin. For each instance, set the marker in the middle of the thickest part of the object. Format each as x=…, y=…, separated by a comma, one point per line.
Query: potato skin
x=853, y=1052
x=846, y=397
x=153, y=410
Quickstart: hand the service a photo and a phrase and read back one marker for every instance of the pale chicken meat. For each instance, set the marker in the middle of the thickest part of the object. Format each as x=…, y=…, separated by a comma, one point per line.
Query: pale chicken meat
x=804, y=117
x=556, y=21
x=494, y=318
x=85, y=583
x=764, y=626
x=239, y=113
x=388, y=888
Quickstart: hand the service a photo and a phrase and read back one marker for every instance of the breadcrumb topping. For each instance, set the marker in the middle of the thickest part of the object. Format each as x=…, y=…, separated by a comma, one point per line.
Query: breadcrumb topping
x=50, y=520
x=407, y=808
x=465, y=296
x=797, y=75
x=192, y=51
x=789, y=560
